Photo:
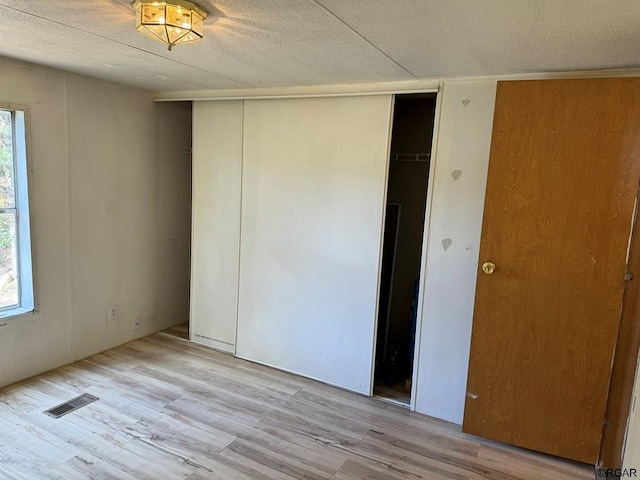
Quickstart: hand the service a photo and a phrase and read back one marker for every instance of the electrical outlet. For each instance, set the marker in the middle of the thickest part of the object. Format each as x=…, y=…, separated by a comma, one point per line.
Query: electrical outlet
x=112, y=313
x=136, y=323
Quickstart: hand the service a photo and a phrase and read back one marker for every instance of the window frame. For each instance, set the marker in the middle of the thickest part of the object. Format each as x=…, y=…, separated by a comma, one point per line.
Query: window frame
x=24, y=262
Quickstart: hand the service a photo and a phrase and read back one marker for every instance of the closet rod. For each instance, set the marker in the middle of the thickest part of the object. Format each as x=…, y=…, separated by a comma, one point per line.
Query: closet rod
x=411, y=157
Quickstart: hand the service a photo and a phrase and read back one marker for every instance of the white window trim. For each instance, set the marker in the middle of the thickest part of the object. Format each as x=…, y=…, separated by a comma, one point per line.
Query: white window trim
x=26, y=294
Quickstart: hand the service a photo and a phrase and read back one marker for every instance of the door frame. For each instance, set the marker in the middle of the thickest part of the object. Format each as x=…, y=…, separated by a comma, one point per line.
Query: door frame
x=625, y=359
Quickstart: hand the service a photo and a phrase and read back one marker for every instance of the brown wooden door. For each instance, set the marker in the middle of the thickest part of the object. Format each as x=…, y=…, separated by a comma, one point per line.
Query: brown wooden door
x=563, y=180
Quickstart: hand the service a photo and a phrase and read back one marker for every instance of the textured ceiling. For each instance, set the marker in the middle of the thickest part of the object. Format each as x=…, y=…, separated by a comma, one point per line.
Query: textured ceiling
x=251, y=43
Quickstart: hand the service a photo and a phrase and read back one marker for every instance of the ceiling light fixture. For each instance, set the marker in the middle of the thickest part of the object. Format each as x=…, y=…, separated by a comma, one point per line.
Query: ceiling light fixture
x=172, y=22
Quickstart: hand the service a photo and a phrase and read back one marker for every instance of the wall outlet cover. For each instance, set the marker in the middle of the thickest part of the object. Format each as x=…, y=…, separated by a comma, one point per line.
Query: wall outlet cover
x=112, y=313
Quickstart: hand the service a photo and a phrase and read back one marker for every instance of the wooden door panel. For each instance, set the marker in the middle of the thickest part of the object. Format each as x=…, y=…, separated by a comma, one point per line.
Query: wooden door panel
x=563, y=178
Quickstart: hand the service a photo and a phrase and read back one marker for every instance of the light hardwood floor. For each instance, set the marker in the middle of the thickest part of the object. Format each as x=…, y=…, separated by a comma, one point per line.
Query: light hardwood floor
x=396, y=393
x=170, y=410
x=180, y=331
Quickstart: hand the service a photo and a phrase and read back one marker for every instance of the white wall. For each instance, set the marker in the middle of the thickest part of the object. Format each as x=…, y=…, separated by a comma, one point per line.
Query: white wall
x=217, y=175
x=314, y=180
x=457, y=203
x=108, y=214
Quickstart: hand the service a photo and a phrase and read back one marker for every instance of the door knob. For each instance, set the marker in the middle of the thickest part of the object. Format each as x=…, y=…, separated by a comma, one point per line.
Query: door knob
x=488, y=267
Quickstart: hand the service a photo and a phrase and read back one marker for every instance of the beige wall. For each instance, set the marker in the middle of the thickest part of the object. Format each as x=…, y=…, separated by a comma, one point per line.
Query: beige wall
x=110, y=187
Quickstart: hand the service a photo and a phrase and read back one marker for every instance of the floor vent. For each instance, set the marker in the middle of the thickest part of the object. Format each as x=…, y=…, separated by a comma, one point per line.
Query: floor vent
x=71, y=405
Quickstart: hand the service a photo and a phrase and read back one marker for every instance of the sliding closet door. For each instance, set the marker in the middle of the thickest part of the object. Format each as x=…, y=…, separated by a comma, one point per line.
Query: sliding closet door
x=215, y=239
x=314, y=175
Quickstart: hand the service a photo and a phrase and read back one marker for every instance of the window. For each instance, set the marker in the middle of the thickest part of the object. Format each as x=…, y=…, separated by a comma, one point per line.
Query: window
x=16, y=277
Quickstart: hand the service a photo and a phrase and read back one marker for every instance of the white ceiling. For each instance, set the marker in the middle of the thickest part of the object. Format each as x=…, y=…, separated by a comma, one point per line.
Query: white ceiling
x=271, y=43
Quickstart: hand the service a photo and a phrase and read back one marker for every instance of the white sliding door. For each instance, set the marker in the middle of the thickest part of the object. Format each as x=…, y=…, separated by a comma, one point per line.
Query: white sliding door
x=215, y=250
x=457, y=205
x=314, y=181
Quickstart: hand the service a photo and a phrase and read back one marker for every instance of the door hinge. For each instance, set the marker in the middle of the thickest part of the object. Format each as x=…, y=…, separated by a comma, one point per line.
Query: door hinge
x=628, y=276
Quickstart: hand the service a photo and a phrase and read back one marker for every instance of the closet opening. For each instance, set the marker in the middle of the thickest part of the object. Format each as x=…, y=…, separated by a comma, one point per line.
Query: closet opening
x=176, y=176
x=411, y=138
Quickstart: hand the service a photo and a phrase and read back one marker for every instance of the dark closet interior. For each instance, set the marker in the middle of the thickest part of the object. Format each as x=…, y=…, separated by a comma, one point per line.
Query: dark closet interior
x=411, y=138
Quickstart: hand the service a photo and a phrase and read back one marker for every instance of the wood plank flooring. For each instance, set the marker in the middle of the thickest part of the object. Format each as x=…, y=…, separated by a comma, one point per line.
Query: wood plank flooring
x=180, y=331
x=171, y=410
x=396, y=393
